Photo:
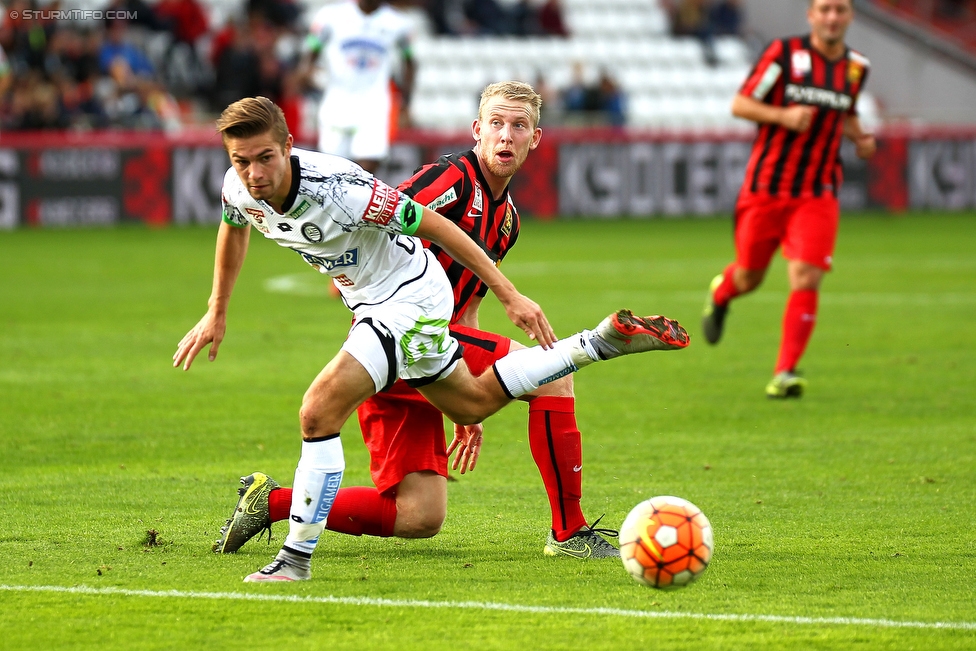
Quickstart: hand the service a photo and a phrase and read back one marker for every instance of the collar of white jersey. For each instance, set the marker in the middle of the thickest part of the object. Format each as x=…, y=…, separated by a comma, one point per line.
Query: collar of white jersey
x=296, y=180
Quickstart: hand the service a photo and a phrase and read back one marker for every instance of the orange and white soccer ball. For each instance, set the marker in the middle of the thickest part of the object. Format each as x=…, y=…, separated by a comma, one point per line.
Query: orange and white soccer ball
x=666, y=542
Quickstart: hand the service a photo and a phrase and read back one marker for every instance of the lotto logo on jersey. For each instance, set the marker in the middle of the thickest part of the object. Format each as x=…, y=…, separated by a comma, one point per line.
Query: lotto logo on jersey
x=382, y=204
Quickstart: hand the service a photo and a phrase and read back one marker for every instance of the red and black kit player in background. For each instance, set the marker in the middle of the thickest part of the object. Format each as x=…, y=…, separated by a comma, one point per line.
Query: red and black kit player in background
x=802, y=94
x=403, y=432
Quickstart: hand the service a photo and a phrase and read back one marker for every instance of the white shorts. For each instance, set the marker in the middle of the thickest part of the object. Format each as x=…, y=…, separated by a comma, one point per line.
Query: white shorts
x=363, y=134
x=408, y=336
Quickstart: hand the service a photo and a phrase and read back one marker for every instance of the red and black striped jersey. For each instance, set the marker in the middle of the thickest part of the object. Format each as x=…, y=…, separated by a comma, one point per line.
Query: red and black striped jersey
x=455, y=187
x=789, y=72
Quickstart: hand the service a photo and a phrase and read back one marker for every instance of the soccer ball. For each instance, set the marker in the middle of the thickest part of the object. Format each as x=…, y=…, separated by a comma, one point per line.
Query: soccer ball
x=666, y=542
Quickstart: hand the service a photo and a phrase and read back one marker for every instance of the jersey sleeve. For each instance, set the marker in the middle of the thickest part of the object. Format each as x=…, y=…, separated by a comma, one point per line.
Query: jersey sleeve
x=365, y=202
x=404, y=40
x=439, y=186
x=766, y=73
x=319, y=32
x=857, y=75
x=230, y=213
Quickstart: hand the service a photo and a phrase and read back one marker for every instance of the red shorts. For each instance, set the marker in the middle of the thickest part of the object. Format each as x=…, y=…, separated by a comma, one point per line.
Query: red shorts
x=403, y=432
x=805, y=227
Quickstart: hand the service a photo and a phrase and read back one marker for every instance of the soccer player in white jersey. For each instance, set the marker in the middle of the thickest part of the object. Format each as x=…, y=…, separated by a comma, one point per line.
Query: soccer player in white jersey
x=359, y=43
x=356, y=229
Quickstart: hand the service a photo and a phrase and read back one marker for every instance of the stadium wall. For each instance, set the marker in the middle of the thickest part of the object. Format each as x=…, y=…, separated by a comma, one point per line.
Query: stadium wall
x=99, y=179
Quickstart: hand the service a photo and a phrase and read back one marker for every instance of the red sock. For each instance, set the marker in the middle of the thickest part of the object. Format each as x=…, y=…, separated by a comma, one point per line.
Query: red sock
x=798, y=321
x=357, y=510
x=558, y=451
x=726, y=291
x=279, y=503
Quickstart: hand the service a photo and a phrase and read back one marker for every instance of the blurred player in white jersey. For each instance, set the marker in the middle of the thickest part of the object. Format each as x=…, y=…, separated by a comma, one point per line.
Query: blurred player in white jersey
x=356, y=229
x=360, y=44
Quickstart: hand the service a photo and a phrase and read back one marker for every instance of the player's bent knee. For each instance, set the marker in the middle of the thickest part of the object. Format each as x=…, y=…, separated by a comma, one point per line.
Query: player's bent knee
x=419, y=520
x=426, y=528
x=421, y=505
x=314, y=424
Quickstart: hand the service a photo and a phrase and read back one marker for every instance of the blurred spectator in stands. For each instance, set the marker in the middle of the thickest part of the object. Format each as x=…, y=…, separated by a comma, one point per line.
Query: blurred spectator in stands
x=538, y=18
x=26, y=39
x=135, y=101
x=80, y=107
x=611, y=100
x=579, y=96
x=725, y=18
x=234, y=64
x=280, y=13
x=550, y=18
x=552, y=107
x=245, y=61
x=71, y=55
x=185, y=19
x=182, y=68
x=593, y=103
x=72, y=65
x=117, y=46
x=138, y=13
x=6, y=76
x=34, y=104
x=446, y=16
x=489, y=17
x=690, y=18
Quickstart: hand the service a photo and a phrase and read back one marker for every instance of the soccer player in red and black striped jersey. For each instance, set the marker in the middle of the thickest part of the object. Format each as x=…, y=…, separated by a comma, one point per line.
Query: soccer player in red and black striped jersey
x=802, y=94
x=403, y=432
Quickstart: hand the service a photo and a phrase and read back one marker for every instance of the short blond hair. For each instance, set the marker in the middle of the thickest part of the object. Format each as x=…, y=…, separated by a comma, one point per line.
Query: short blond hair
x=253, y=116
x=516, y=91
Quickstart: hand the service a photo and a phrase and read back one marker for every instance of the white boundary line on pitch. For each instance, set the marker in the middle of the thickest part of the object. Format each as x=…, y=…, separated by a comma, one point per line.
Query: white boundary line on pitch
x=483, y=605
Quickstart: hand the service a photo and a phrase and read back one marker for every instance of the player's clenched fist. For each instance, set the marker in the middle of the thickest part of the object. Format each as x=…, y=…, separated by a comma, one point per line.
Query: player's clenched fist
x=798, y=118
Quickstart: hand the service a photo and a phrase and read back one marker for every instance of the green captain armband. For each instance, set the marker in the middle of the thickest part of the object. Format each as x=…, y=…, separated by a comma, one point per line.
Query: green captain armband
x=410, y=217
x=224, y=217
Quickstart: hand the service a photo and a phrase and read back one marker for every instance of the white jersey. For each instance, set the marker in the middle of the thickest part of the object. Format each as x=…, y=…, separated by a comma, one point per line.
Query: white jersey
x=343, y=222
x=359, y=50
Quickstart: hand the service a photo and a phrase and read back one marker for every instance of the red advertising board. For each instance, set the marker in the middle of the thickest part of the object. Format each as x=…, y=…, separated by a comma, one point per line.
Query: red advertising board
x=66, y=179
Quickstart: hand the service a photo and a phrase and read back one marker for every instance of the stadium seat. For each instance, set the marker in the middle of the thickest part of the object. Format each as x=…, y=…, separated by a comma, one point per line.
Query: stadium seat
x=665, y=80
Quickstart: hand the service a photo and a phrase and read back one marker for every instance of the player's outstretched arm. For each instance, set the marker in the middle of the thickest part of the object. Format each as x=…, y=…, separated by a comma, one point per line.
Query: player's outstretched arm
x=231, y=248
x=522, y=311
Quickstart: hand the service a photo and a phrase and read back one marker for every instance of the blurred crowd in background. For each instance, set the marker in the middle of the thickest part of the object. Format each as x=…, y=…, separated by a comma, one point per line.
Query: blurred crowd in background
x=171, y=63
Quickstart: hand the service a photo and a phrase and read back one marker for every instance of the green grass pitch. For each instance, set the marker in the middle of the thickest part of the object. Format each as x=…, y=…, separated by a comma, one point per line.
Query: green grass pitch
x=844, y=520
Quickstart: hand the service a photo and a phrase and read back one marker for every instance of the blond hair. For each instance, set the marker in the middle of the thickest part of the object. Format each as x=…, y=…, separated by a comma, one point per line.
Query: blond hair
x=253, y=116
x=515, y=91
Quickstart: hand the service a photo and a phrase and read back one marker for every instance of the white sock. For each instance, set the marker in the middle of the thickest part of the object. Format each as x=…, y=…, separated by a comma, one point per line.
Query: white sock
x=317, y=480
x=526, y=369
